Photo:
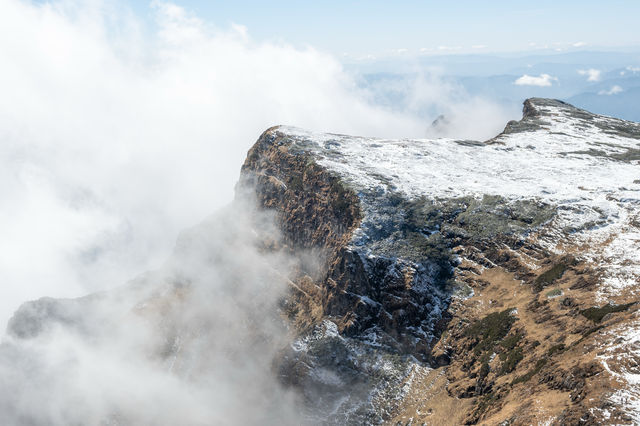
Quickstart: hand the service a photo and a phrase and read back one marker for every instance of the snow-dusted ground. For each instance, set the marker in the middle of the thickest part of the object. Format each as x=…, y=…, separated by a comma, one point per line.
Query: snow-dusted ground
x=565, y=159
x=621, y=359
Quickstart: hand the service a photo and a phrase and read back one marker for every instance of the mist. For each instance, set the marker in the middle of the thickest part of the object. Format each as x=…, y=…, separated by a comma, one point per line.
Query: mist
x=115, y=135
x=113, y=142
x=190, y=343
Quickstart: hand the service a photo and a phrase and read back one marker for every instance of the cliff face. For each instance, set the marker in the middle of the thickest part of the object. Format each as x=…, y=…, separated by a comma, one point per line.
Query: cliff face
x=387, y=281
x=427, y=281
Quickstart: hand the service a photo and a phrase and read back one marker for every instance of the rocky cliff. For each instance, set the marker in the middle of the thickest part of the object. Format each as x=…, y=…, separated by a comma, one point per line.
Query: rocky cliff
x=432, y=281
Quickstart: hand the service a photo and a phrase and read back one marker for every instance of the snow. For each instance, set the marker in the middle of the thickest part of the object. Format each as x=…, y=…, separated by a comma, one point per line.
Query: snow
x=550, y=164
x=621, y=361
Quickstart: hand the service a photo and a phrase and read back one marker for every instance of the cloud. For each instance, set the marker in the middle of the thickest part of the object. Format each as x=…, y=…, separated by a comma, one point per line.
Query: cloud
x=543, y=80
x=429, y=94
x=479, y=46
x=613, y=91
x=631, y=69
x=592, y=74
x=579, y=44
x=448, y=48
x=191, y=343
x=113, y=140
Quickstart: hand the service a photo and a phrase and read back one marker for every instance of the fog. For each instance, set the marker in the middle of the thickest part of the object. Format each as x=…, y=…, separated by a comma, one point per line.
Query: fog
x=112, y=142
x=115, y=135
x=193, y=342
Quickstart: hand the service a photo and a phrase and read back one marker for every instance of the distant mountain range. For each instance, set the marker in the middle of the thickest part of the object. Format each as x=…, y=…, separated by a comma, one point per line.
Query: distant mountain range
x=603, y=82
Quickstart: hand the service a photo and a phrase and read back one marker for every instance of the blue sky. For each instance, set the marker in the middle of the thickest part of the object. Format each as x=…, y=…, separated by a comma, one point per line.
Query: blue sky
x=381, y=28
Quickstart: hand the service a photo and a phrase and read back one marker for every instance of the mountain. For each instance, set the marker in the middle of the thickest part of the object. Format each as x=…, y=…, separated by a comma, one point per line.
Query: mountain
x=611, y=102
x=376, y=281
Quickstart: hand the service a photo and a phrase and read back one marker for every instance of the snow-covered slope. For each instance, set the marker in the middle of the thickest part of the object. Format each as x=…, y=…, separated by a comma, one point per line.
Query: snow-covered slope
x=585, y=165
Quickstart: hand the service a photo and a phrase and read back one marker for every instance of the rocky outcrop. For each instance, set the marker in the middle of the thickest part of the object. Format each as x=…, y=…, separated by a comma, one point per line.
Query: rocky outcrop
x=390, y=285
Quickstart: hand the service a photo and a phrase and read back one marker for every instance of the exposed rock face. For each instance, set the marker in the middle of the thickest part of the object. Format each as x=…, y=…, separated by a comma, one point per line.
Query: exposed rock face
x=385, y=279
x=443, y=281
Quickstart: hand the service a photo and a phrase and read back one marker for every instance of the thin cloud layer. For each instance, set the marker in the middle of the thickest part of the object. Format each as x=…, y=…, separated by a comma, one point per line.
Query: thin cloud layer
x=615, y=89
x=592, y=74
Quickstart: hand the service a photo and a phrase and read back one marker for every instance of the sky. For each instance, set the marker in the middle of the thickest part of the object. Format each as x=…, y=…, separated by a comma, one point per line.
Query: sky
x=356, y=29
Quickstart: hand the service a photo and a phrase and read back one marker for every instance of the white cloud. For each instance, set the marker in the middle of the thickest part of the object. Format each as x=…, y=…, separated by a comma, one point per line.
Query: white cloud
x=449, y=47
x=543, y=80
x=631, y=69
x=112, y=142
x=185, y=363
x=579, y=44
x=613, y=91
x=592, y=74
x=479, y=46
x=367, y=57
x=467, y=116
